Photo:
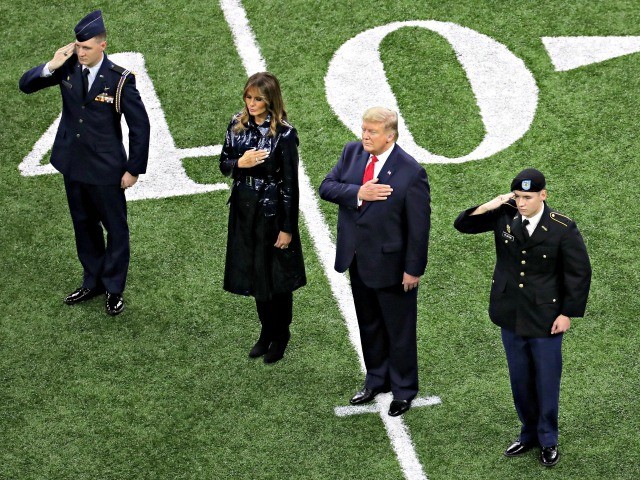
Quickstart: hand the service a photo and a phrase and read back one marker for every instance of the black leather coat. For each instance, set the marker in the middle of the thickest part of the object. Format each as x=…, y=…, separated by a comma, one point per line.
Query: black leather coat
x=264, y=201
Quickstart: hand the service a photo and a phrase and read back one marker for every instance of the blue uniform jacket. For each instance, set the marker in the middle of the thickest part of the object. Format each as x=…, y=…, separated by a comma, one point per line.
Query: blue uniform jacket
x=88, y=145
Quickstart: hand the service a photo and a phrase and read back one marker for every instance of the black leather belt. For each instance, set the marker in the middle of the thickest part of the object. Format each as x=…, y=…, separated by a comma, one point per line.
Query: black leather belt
x=252, y=182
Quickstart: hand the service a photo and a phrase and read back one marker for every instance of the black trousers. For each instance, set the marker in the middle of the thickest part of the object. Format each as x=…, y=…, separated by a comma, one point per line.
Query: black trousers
x=387, y=318
x=95, y=209
x=275, y=316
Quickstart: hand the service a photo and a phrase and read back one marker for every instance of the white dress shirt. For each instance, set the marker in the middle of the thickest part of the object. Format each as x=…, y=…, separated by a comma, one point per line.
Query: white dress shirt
x=533, y=221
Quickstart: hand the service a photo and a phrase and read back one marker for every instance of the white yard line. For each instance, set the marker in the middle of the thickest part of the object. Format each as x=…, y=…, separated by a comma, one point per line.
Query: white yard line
x=399, y=435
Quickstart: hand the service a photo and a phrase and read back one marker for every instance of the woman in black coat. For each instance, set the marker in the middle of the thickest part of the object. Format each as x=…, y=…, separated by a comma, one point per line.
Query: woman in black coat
x=264, y=255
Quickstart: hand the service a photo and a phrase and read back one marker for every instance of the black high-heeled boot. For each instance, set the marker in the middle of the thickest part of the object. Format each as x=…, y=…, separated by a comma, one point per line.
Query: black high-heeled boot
x=277, y=348
x=260, y=348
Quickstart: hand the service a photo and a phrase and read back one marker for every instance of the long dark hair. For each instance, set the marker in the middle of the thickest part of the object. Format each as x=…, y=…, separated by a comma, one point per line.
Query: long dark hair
x=269, y=87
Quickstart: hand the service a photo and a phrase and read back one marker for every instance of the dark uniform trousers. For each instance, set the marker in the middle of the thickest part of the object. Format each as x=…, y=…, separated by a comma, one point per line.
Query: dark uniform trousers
x=535, y=367
x=93, y=207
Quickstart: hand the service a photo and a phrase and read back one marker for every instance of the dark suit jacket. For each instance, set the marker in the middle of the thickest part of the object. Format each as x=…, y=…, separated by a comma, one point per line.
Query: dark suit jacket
x=88, y=146
x=534, y=280
x=390, y=236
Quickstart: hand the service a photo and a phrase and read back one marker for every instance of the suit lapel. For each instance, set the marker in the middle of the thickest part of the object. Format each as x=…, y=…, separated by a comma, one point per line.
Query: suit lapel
x=385, y=173
x=361, y=167
x=76, y=81
x=539, y=234
x=516, y=228
x=542, y=230
x=390, y=166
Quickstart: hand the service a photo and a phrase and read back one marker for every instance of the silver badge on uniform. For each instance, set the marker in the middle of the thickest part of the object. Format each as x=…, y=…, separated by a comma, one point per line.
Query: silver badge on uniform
x=507, y=236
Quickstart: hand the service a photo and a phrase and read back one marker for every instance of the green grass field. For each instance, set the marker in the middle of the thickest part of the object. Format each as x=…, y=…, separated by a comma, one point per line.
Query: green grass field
x=166, y=391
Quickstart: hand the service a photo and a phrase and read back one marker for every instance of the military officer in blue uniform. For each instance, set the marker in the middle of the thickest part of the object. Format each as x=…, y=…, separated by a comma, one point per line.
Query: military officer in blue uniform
x=541, y=280
x=89, y=152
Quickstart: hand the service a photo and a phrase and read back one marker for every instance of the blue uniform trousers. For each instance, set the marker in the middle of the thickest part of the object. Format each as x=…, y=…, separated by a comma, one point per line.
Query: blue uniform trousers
x=95, y=209
x=535, y=368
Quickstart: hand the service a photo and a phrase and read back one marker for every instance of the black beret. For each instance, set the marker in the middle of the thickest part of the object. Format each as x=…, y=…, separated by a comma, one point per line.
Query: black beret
x=90, y=26
x=529, y=180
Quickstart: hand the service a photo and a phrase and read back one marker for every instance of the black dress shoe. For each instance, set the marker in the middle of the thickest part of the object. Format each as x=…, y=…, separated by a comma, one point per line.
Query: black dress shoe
x=363, y=396
x=398, y=407
x=82, y=294
x=518, y=448
x=549, y=456
x=114, y=304
x=259, y=349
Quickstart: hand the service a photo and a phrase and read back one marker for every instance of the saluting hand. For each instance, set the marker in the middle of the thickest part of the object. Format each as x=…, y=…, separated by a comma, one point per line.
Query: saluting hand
x=62, y=55
x=252, y=157
x=370, y=192
x=493, y=204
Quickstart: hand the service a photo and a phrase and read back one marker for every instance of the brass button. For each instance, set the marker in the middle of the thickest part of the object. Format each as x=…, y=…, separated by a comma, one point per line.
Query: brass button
x=81, y=120
x=506, y=241
x=544, y=256
x=554, y=300
x=522, y=274
x=77, y=135
x=521, y=285
x=524, y=252
x=523, y=262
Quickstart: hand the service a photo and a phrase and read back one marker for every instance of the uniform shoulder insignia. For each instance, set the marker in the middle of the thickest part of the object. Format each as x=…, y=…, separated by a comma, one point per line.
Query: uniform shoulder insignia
x=119, y=69
x=560, y=218
x=124, y=73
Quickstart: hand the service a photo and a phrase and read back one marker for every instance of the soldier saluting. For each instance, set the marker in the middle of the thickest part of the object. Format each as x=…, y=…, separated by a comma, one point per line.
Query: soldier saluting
x=541, y=280
x=89, y=152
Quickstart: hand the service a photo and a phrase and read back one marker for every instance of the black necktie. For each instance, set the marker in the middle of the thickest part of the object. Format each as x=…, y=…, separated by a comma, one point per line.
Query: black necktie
x=85, y=82
x=525, y=232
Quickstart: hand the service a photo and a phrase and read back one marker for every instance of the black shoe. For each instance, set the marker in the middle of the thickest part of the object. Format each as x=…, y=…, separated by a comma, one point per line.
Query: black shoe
x=518, y=448
x=82, y=294
x=363, y=396
x=114, y=304
x=398, y=407
x=259, y=349
x=549, y=456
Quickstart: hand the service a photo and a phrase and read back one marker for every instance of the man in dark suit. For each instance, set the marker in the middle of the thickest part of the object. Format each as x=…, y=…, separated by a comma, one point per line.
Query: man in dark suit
x=383, y=237
x=541, y=280
x=89, y=153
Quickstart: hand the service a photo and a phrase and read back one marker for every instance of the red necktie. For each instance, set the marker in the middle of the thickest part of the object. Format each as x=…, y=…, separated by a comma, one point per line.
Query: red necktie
x=368, y=172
